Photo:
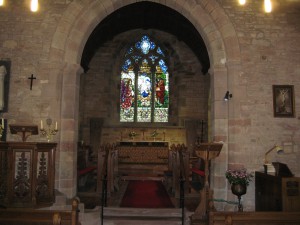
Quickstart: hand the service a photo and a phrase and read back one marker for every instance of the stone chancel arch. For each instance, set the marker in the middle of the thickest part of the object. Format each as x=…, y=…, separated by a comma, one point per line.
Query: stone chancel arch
x=77, y=23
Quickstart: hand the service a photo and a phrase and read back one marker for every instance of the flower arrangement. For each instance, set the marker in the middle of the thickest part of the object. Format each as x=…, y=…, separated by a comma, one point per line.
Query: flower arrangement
x=238, y=176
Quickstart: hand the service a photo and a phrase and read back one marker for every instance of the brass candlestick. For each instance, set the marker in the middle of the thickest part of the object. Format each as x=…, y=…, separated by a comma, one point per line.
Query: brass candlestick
x=48, y=132
x=154, y=134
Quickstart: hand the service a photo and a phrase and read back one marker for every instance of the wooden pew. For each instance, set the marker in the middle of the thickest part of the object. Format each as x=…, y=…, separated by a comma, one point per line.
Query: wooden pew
x=26, y=216
x=254, y=218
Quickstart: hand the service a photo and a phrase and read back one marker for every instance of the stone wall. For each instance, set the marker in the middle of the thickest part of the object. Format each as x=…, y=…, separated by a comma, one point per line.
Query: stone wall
x=269, y=56
x=249, y=51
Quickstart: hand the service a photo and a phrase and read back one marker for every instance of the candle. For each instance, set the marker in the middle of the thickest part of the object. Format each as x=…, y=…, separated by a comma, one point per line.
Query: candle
x=42, y=125
x=56, y=125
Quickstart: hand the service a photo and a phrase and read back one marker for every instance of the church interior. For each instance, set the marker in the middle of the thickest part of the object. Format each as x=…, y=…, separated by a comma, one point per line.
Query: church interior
x=150, y=112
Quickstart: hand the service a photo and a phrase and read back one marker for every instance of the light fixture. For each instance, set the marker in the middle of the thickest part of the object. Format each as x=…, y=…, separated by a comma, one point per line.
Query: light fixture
x=267, y=5
x=279, y=150
x=242, y=2
x=34, y=5
x=227, y=96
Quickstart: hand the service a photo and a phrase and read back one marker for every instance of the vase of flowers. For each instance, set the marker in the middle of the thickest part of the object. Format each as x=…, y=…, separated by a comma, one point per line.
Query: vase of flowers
x=239, y=180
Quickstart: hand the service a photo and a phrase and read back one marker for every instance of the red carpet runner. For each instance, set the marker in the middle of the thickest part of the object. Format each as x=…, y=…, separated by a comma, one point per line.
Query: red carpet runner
x=146, y=194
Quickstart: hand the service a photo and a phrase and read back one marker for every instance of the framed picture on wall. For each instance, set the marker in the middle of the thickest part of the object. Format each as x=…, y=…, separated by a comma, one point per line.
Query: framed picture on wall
x=283, y=101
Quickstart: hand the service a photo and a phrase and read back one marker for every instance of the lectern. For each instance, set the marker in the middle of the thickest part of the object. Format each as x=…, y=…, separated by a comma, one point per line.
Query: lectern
x=206, y=151
x=279, y=191
x=24, y=130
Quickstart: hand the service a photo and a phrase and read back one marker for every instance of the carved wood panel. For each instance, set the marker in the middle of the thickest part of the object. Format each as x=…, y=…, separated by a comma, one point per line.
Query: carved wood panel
x=22, y=180
x=3, y=175
x=30, y=178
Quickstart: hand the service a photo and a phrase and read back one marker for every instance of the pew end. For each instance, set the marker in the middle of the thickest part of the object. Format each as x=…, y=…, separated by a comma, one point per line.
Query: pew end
x=31, y=216
x=254, y=218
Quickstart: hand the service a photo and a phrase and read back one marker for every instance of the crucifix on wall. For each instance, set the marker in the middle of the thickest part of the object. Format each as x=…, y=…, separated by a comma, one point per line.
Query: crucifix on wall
x=31, y=78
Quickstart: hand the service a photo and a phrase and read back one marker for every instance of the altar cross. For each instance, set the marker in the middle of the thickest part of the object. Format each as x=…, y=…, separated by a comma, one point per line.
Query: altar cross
x=31, y=80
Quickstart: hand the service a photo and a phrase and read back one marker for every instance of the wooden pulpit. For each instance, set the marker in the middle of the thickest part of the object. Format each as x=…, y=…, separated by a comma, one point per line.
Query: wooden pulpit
x=206, y=151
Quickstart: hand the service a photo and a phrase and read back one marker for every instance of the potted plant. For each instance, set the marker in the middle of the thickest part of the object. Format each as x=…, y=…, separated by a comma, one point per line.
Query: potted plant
x=239, y=180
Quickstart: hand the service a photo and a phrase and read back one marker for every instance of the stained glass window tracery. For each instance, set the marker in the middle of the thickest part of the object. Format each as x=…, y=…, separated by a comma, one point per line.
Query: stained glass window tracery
x=144, y=89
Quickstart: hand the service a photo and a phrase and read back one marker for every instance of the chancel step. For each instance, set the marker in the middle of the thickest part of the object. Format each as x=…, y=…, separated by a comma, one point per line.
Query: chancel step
x=134, y=216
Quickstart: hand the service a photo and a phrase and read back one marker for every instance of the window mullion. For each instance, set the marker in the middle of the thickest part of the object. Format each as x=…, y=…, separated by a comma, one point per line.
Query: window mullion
x=136, y=72
x=153, y=93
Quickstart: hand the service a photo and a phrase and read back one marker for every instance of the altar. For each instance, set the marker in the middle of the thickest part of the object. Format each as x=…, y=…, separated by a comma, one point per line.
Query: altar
x=143, y=158
x=143, y=152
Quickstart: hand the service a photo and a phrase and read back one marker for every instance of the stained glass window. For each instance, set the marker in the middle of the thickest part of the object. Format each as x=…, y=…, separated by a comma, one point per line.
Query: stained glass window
x=144, y=89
